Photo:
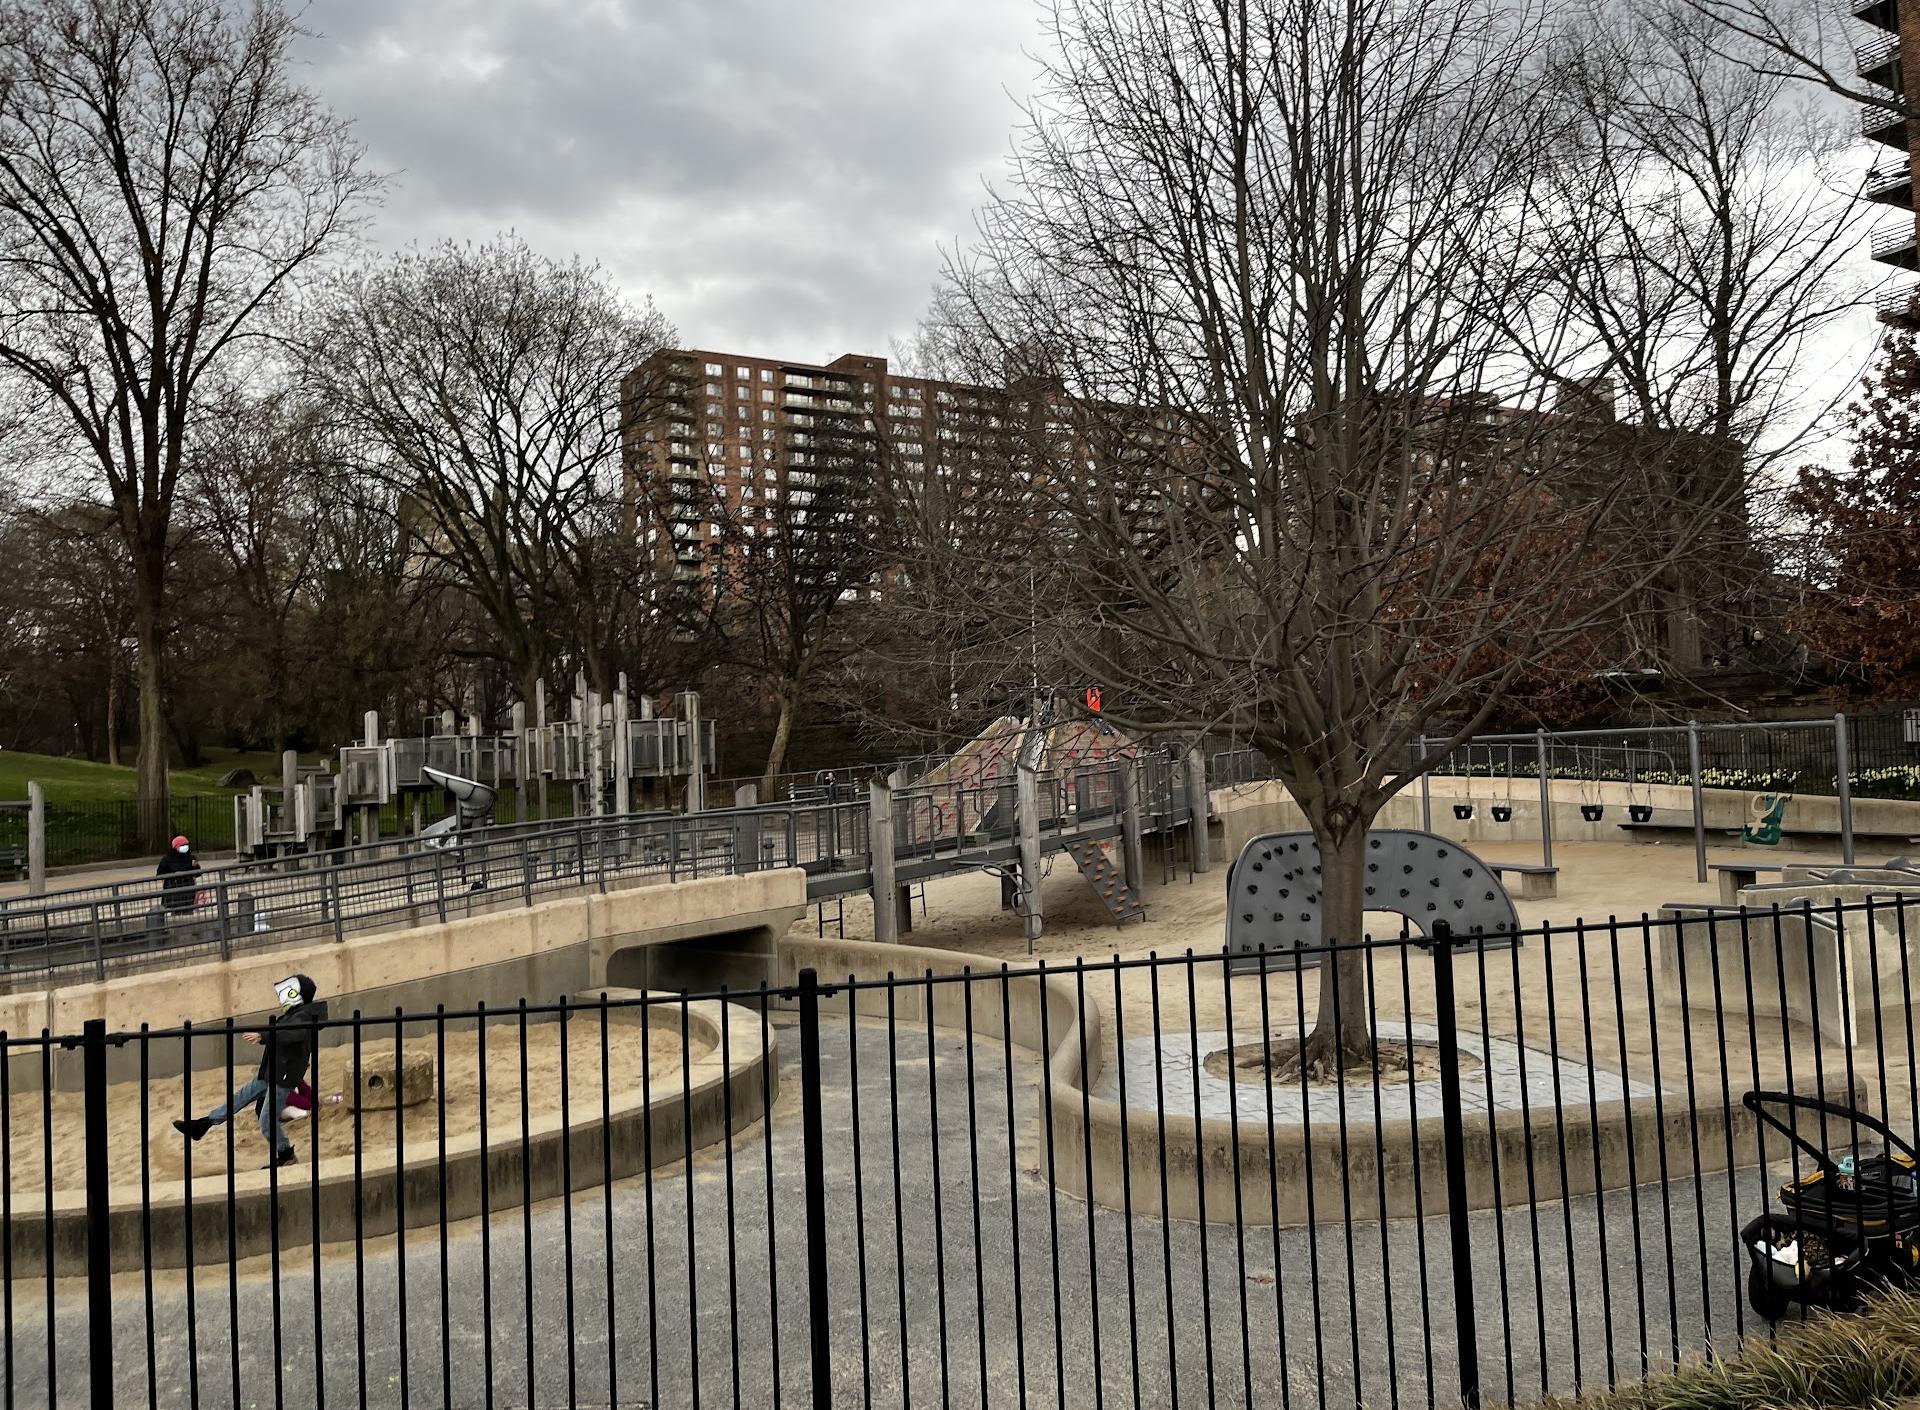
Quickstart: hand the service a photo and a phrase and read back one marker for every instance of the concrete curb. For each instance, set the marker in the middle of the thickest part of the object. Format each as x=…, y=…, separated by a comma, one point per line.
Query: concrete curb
x=1288, y=1174
x=157, y=1235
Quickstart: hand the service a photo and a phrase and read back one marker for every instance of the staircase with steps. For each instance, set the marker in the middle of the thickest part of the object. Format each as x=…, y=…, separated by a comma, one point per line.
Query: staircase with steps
x=1123, y=903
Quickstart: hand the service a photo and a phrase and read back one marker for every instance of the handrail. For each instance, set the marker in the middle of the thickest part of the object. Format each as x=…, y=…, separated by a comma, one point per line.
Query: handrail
x=328, y=895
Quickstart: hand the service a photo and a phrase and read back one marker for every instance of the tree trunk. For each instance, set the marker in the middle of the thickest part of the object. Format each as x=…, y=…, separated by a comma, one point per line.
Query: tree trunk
x=150, y=767
x=1342, y=1036
x=777, y=753
x=113, y=715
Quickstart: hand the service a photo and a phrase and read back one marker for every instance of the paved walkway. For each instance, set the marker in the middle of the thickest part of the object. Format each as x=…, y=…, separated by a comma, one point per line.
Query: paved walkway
x=955, y=1279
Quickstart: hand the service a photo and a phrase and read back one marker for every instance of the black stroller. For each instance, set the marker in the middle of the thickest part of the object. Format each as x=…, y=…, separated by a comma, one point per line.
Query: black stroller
x=1853, y=1222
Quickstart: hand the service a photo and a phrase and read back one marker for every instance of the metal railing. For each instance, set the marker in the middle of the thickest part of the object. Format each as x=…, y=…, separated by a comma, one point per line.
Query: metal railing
x=1872, y=57
x=1893, y=240
x=88, y=931
x=1542, y=1170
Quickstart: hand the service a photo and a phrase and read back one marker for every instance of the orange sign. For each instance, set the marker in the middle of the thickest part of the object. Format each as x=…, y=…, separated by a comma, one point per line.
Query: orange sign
x=1093, y=699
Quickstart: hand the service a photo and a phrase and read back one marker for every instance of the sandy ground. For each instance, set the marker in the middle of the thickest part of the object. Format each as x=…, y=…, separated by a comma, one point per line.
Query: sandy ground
x=418, y=1125
x=1592, y=992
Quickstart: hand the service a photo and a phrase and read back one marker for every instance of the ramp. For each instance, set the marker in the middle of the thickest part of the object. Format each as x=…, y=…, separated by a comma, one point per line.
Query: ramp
x=1123, y=903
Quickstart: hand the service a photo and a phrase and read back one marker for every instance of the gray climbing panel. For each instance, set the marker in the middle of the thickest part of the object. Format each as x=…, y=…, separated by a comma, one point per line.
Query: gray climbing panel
x=1273, y=893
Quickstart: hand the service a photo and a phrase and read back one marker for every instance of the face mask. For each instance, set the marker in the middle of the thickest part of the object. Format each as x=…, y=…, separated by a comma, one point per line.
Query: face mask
x=181, y=850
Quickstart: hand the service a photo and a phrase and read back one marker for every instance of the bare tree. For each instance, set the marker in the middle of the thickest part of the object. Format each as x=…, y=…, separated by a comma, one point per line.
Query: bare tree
x=1286, y=465
x=1696, y=226
x=484, y=385
x=164, y=181
x=791, y=547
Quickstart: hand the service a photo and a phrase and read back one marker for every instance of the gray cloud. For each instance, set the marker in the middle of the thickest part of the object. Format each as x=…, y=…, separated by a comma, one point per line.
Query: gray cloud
x=776, y=175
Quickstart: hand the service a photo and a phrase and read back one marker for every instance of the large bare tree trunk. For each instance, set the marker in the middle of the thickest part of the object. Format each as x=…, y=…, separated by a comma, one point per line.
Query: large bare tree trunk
x=1342, y=1036
x=782, y=737
x=150, y=766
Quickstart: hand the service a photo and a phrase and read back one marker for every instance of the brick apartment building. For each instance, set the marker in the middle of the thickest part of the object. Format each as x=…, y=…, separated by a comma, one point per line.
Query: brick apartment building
x=727, y=442
x=1896, y=29
x=724, y=445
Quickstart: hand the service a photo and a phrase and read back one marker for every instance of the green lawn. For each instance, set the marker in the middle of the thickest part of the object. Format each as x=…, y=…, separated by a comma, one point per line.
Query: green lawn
x=80, y=781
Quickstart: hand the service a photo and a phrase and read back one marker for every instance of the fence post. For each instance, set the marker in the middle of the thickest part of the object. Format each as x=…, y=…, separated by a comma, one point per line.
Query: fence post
x=1426, y=792
x=1842, y=771
x=1545, y=769
x=221, y=906
x=526, y=872
x=814, y=1159
x=333, y=886
x=1454, y=1150
x=99, y=1246
x=1699, y=808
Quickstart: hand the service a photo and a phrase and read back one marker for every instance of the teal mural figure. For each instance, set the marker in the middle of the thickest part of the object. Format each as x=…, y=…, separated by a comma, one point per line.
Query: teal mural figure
x=1763, y=818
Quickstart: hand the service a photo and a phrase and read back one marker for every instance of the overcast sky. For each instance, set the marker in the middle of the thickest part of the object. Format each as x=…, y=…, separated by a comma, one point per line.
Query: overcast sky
x=777, y=174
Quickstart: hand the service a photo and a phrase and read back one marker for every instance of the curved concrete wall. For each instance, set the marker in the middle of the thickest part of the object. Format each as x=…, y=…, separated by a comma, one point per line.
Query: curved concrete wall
x=641, y=1134
x=536, y=953
x=1223, y=1171
x=1249, y=810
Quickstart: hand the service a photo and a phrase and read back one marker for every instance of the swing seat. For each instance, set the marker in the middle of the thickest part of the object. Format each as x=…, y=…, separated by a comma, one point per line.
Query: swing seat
x=1463, y=811
x=1593, y=812
x=1503, y=812
x=1640, y=812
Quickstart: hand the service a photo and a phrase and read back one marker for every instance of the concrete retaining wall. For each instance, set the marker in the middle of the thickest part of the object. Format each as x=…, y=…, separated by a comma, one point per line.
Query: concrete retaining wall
x=642, y=1134
x=1249, y=810
x=536, y=952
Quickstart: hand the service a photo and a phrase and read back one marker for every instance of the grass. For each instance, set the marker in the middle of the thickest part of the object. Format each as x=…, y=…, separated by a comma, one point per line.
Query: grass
x=82, y=781
x=1866, y=1359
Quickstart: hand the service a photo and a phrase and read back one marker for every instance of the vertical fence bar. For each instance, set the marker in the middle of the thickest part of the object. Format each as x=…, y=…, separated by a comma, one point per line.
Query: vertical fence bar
x=99, y=1248
x=813, y=1144
x=1842, y=768
x=1455, y=1154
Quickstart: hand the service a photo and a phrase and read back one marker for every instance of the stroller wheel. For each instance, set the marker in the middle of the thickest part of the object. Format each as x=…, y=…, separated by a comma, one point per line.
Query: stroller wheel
x=1764, y=1297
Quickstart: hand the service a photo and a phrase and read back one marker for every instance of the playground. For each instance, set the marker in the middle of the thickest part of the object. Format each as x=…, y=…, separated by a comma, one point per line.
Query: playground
x=517, y=1081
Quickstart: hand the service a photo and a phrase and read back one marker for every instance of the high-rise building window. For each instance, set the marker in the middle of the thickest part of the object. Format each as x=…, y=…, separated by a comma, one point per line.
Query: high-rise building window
x=766, y=394
x=741, y=391
x=714, y=369
x=713, y=389
x=745, y=372
x=766, y=374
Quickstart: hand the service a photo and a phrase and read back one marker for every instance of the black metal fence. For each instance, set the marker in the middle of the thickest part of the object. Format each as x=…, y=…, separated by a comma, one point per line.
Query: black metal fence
x=107, y=830
x=1101, y=1183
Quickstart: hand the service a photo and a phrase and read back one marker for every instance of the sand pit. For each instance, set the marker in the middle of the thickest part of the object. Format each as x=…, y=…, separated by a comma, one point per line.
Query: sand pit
x=378, y=1130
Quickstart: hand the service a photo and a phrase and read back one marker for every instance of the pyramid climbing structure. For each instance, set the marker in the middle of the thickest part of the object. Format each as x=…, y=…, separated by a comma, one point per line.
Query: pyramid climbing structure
x=973, y=792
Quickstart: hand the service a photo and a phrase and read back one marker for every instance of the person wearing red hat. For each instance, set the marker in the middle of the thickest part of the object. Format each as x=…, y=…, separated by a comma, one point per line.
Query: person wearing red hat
x=178, y=873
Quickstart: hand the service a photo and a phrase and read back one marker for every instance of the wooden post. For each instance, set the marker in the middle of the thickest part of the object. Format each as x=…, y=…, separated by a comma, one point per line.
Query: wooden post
x=1130, y=859
x=36, y=840
x=1027, y=791
x=1197, y=807
x=622, y=751
x=696, y=752
x=886, y=905
x=540, y=724
x=370, y=814
x=521, y=758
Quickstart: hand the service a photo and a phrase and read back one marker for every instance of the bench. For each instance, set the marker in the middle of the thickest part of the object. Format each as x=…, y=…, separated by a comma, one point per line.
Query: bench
x=1736, y=876
x=1537, y=882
